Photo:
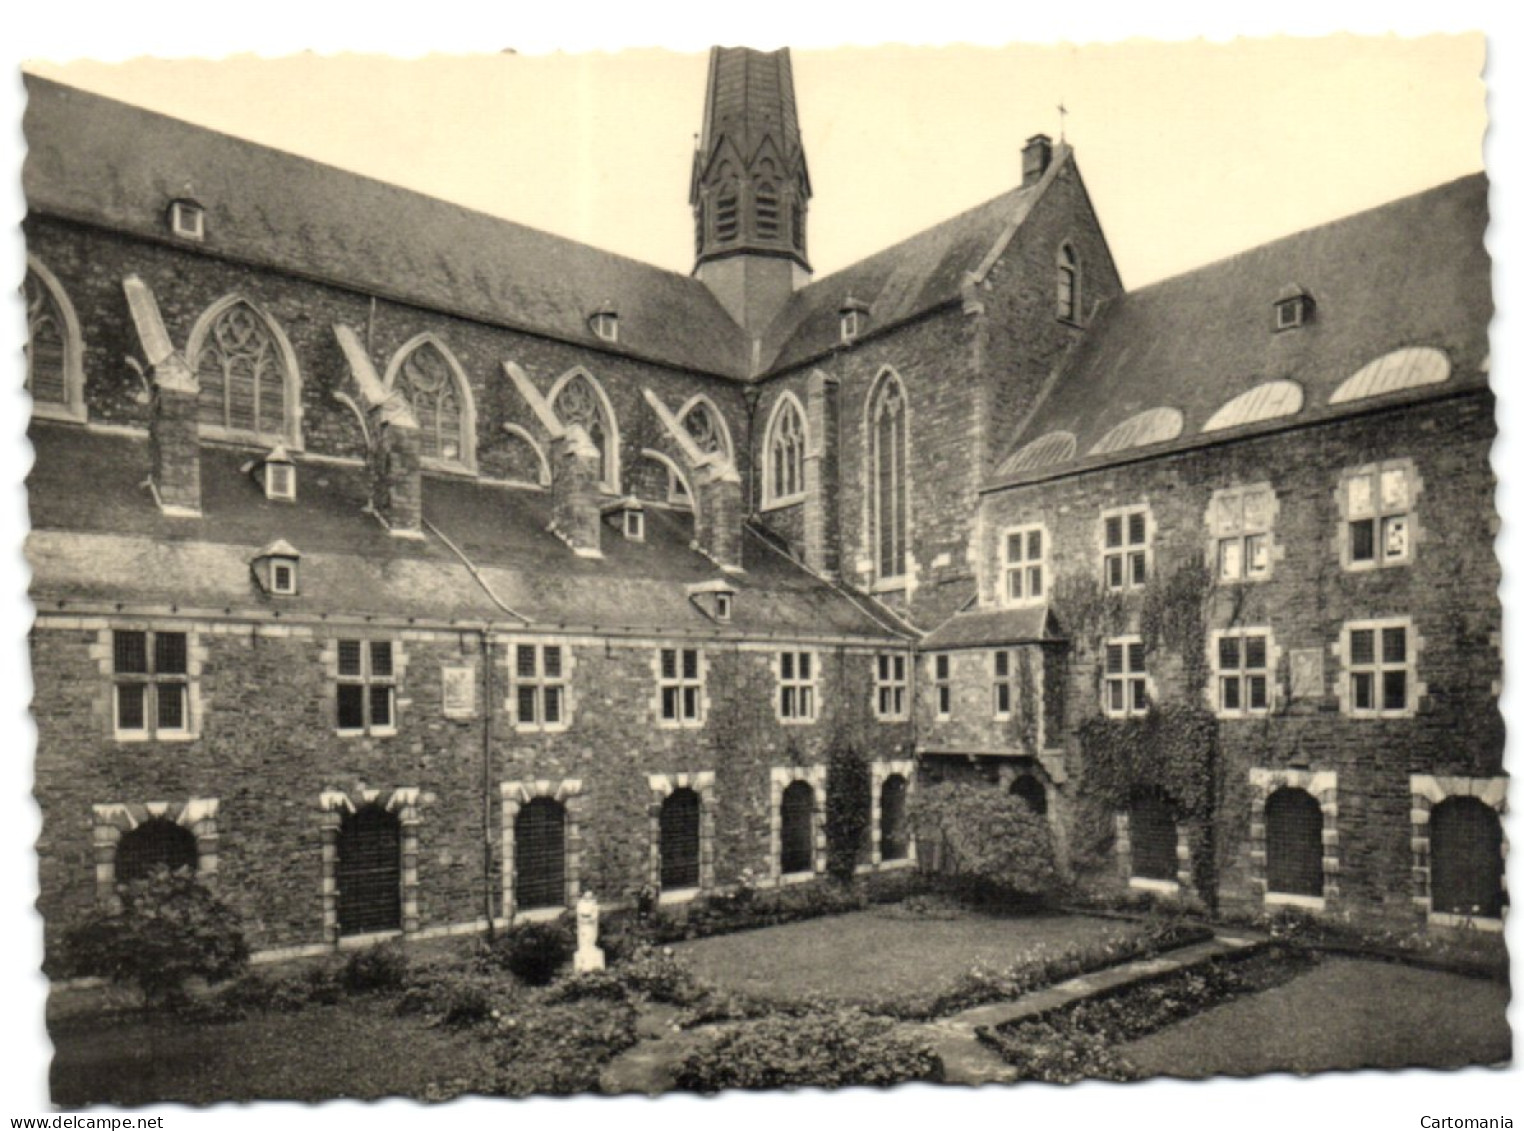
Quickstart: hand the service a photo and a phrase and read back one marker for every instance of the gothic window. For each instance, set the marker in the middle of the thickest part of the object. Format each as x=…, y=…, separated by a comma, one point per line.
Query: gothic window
x=244, y=375
x=434, y=388
x=368, y=871
x=680, y=840
x=539, y=855
x=1466, y=858
x=1294, y=843
x=784, y=473
x=887, y=420
x=700, y=425
x=1068, y=284
x=797, y=839
x=579, y=402
x=156, y=843
x=53, y=374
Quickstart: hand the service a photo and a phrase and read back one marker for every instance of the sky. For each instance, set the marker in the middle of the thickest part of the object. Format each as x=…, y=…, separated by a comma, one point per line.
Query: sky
x=1192, y=148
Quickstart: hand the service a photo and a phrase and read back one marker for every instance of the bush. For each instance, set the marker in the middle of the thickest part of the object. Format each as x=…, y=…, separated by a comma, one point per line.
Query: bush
x=825, y=1050
x=559, y=1048
x=848, y=812
x=534, y=952
x=983, y=839
x=456, y=998
x=382, y=968
x=170, y=929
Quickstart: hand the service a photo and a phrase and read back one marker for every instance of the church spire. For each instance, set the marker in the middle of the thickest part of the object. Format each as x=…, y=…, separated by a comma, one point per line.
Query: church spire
x=751, y=189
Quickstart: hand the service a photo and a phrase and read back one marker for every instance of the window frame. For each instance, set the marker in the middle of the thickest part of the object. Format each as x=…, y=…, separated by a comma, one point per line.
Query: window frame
x=290, y=565
x=1131, y=678
x=181, y=211
x=151, y=679
x=1127, y=552
x=787, y=407
x=941, y=686
x=1243, y=673
x=1378, y=515
x=1378, y=667
x=798, y=671
x=1026, y=567
x=1242, y=533
x=685, y=687
x=540, y=683
x=368, y=681
x=1067, y=284
x=1006, y=682
x=891, y=682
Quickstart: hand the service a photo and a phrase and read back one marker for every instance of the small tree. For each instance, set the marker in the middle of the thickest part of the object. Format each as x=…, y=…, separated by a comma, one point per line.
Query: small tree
x=984, y=838
x=170, y=928
x=849, y=811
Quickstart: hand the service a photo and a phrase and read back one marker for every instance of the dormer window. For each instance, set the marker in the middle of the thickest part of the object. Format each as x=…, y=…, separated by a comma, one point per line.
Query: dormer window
x=277, y=569
x=854, y=316
x=605, y=323
x=722, y=606
x=276, y=473
x=715, y=599
x=187, y=219
x=1292, y=309
x=627, y=516
x=635, y=526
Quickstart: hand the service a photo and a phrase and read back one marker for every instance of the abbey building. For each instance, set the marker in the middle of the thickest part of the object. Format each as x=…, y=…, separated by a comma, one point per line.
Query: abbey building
x=403, y=569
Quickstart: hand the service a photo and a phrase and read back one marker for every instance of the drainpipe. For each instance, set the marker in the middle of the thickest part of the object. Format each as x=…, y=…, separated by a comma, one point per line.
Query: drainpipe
x=487, y=709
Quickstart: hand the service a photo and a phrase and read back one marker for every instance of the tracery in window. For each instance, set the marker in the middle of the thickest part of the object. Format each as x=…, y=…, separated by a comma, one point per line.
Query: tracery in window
x=579, y=402
x=890, y=526
x=432, y=386
x=784, y=473
x=53, y=373
x=244, y=375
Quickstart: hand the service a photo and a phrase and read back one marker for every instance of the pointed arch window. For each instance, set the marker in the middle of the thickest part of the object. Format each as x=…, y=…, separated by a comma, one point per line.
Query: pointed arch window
x=1068, y=284
x=890, y=436
x=54, y=375
x=700, y=424
x=429, y=377
x=784, y=471
x=581, y=402
x=246, y=373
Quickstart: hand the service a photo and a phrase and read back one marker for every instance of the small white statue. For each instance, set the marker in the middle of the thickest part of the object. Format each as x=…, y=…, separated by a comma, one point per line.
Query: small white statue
x=589, y=956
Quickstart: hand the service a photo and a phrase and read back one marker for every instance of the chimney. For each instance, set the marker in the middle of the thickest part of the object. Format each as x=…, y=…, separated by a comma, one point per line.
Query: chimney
x=174, y=431
x=717, y=517
x=1036, y=155
x=822, y=549
x=396, y=477
x=575, y=510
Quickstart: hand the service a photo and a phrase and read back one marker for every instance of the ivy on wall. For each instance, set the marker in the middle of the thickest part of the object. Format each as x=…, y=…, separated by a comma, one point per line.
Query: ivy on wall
x=848, y=810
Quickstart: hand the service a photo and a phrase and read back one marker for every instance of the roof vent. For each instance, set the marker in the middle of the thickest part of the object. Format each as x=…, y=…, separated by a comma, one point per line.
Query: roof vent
x=854, y=316
x=1036, y=156
x=715, y=599
x=276, y=473
x=629, y=518
x=605, y=322
x=275, y=569
x=187, y=219
x=1293, y=308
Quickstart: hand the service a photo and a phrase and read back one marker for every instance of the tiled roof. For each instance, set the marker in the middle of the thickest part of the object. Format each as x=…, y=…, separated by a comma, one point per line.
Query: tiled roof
x=97, y=536
x=1413, y=273
x=103, y=161
x=992, y=629
x=750, y=97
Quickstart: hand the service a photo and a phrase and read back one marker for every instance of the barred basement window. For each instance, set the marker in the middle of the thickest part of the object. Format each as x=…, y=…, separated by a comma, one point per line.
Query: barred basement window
x=539, y=855
x=539, y=677
x=1124, y=561
x=1004, y=683
x=1024, y=561
x=894, y=829
x=1293, y=843
x=1378, y=519
x=681, y=686
x=1241, y=521
x=1466, y=858
x=941, y=683
x=680, y=840
x=366, y=689
x=368, y=871
x=1378, y=662
x=150, y=672
x=1126, y=680
x=796, y=687
x=890, y=687
x=797, y=818
x=1242, y=664
x=156, y=843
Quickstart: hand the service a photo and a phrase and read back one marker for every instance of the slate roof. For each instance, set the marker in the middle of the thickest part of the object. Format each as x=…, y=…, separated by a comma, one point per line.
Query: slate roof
x=1412, y=273
x=98, y=536
x=992, y=629
x=746, y=89
x=106, y=162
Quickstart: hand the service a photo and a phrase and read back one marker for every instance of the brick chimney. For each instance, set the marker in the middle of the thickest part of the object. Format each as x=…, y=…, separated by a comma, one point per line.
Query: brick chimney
x=822, y=545
x=576, y=513
x=174, y=430
x=1036, y=155
x=396, y=475
x=718, y=514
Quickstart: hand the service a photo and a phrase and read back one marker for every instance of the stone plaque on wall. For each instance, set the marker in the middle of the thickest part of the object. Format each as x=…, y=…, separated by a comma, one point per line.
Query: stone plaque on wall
x=459, y=684
x=1306, y=674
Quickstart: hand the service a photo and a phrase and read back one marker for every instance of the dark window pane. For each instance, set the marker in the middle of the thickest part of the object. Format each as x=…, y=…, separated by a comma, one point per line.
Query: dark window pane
x=1002, y=664
x=944, y=700
x=380, y=706
x=1362, y=646
x=1034, y=581
x=1227, y=653
x=351, y=706
x=525, y=661
x=1139, y=568
x=1003, y=698
x=171, y=706
x=690, y=663
x=349, y=657
x=1362, y=540
x=1259, y=692
x=1034, y=545
x=1013, y=546
x=1394, y=690
x=552, y=704
x=787, y=667
x=669, y=663
x=1114, y=659
x=1114, y=571
x=669, y=702
x=169, y=653
x=1114, y=531
x=526, y=705
x=381, y=658
x=1254, y=652
x=1139, y=695
x=1363, y=685
x=690, y=703
x=131, y=651
x=129, y=706
x=1137, y=529
x=942, y=667
x=1230, y=699
x=883, y=669
x=1394, y=645
x=552, y=655
x=1116, y=694
x=1135, y=657
x=786, y=706
x=804, y=665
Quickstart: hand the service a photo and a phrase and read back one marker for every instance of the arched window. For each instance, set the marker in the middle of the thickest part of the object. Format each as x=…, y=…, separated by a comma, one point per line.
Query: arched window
x=578, y=400
x=1030, y=790
x=156, y=843
x=706, y=426
x=1293, y=843
x=428, y=376
x=680, y=840
x=368, y=871
x=246, y=371
x=889, y=436
x=783, y=475
x=539, y=855
x=893, y=832
x=1151, y=831
x=1466, y=858
x=1068, y=284
x=54, y=373
x=797, y=839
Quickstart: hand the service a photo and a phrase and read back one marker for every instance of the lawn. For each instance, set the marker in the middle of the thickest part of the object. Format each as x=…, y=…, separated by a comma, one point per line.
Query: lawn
x=1343, y=1014
x=876, y=954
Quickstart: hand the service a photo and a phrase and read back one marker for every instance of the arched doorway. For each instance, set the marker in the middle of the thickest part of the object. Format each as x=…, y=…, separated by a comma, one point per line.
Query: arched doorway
x=797, y=848
x=1466, y=858
x=680, y=840
x=1293, y=843
x=539, y=855
x=368, y=871
x=894, y=835
x=156, y=843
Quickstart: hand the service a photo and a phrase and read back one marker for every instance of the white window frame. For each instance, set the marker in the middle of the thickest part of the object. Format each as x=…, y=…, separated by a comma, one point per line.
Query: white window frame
x=851, y=325
x=1379, y=513
x=1378, y=667
x=635, y=525
x=606, y=326
x=280, y=481
x=1005, y=683
x=1240, y=534
x=366, y=679
x=1023, y=571
x=1128, y=551
x=941, y=685
x=724, y=603
x=687, y=689
x=798, y=700
x=1242, y=674
x=786, y=405
x=1133, y=679
x=542, y=684
x=290, y=565
x=891, y=687
x=152, y=680
x=187, y=219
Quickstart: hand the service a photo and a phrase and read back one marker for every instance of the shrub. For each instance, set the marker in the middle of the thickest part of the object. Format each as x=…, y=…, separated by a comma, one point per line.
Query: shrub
x=376, y=969
x=825, y=1050
x=261, y=992
x=983, y=838
x=456, y=998
x=534, y=952
x=848, y=812
x=559, y=1048
x=170, y=929
x=659, y=975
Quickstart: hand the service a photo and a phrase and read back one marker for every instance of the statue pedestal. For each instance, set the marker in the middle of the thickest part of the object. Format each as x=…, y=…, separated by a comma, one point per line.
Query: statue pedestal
x=589, y=955
x=587, y=959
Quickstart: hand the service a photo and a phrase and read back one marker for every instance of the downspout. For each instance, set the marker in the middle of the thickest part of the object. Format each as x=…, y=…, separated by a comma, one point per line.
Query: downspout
x=487, y=710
